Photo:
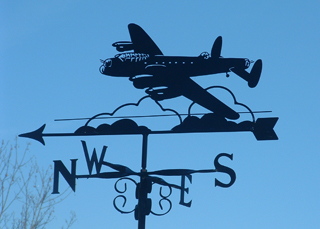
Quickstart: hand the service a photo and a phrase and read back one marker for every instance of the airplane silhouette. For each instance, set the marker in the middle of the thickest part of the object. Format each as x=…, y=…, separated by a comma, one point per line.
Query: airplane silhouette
x=166, y=77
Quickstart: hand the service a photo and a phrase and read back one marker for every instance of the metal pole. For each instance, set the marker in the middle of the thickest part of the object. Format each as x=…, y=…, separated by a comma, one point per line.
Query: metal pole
x=142, y=204
x=144, y=151
x=144, y=188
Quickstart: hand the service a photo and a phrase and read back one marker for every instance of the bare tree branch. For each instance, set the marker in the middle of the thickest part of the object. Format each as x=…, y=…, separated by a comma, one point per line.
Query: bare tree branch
x=24, y=184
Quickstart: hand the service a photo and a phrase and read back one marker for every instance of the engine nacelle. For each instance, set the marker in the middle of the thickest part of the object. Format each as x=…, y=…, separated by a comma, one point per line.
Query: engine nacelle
x=162, y=94
x=123, y=46
x=143, y=81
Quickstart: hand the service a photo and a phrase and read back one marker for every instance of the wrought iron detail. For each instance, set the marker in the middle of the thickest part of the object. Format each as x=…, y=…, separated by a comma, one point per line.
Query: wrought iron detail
x=164, y=198
x=122, y=196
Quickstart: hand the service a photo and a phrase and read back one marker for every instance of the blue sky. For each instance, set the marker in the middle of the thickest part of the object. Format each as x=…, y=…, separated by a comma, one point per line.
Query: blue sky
x=49, y=66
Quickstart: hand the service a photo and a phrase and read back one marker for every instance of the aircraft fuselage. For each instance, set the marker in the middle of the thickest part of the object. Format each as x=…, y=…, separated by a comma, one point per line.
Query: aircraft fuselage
x=134, y=64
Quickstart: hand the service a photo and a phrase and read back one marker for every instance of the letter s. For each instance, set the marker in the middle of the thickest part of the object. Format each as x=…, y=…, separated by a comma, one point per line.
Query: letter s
x=224, y=169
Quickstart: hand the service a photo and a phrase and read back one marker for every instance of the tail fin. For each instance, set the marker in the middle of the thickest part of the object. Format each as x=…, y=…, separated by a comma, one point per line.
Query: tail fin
x=216, y=48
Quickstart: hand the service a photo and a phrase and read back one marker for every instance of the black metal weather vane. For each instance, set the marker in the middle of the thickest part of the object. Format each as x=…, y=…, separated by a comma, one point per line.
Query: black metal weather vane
x=164, y=77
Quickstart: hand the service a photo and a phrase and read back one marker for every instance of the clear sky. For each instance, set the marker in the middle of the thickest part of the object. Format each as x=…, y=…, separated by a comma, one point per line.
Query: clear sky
x=49, y=62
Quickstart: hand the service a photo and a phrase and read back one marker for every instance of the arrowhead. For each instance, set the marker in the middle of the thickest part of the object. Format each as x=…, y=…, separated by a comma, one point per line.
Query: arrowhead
x=35, y=135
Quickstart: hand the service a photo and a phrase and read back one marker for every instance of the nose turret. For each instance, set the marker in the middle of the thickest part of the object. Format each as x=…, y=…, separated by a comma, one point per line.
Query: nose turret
x=105, y=64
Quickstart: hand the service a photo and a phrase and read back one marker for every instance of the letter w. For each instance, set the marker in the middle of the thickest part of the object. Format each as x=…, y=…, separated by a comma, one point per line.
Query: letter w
x=94, y=159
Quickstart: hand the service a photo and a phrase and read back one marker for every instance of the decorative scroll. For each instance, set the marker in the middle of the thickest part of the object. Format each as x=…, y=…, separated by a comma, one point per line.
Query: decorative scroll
x=122, y=196
x=164, y=198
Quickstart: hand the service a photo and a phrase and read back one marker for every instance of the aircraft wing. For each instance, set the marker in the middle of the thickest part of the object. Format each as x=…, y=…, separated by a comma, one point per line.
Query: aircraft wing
x=142, y=43
x=197, y=94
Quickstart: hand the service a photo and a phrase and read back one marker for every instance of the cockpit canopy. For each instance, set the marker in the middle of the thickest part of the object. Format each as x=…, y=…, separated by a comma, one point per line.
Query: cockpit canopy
x=133, y=57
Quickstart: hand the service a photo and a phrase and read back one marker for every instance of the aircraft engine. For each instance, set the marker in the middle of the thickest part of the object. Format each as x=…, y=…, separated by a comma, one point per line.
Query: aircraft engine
x=162, y=94
x=123, y=46
x=144, y=81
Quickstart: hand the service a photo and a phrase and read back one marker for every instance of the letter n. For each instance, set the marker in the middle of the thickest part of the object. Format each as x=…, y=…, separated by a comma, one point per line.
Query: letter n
x=69, y=177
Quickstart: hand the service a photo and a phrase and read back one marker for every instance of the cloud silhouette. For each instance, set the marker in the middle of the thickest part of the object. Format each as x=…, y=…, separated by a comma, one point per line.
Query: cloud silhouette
x=209, y=122
x=212, y=122
x=124, y=125
x=228, y=98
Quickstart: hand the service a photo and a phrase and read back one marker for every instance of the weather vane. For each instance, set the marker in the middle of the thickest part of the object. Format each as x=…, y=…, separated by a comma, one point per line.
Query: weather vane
x=164, y=77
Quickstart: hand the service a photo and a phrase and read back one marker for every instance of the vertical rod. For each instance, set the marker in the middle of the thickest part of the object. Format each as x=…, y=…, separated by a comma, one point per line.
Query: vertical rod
x=143, y=190
x=144, y=151
x=141, y=206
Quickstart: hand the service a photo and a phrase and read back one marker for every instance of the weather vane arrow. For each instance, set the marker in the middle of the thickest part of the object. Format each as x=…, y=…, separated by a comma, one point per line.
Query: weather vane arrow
x=262, y=130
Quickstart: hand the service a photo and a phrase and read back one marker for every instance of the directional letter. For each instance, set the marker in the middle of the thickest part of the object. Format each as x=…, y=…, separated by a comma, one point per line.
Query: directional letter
x=183, y=189
x=94, y=159
x=70, y=178
x=224, y=169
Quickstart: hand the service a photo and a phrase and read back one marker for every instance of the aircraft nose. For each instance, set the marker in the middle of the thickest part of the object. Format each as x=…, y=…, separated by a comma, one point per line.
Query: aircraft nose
x=105, y=64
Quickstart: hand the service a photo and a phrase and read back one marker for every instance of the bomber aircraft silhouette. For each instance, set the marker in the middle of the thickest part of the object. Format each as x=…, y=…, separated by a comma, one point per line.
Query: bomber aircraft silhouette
x=166, y=77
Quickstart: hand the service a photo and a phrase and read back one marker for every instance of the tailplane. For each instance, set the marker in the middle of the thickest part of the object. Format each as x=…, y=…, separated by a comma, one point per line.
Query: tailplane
x=255, y=74
x=253, y=77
